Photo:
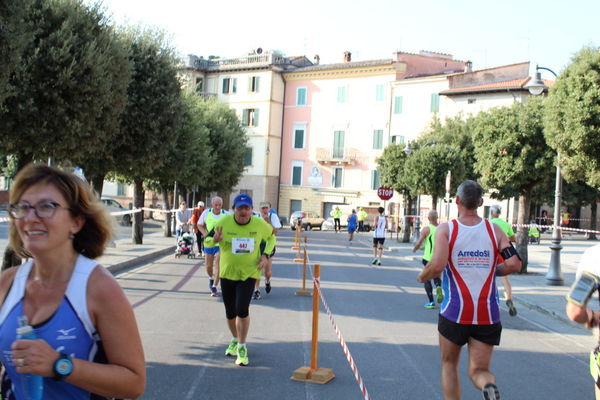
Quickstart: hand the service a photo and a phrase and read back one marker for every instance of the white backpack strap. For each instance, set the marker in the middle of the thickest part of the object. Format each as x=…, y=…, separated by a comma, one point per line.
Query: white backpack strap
x=76, y=291
x=17, y=290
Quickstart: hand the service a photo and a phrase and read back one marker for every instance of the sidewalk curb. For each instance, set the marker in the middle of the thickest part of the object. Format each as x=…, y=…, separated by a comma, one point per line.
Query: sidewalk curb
x=115, y=268
x=551, y=314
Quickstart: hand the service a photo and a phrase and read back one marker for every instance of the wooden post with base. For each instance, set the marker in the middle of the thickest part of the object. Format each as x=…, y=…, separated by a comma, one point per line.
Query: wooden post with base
x=297, y=236
x=303, y=291
x=313, y=374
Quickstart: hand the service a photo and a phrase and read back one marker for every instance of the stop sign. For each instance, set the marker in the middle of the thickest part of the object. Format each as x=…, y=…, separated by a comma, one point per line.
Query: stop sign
x=385, y=193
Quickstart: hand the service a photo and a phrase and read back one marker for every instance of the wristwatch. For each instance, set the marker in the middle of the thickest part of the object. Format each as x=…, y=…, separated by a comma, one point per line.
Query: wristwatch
x=63, y=366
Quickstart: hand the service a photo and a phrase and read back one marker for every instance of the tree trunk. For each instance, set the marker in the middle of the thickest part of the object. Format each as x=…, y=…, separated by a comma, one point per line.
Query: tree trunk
x=408, y=206
x=522, y=232
x=594, y=209
x=97, y=184
x=434, y=201
x=167, y=225
x=23, y=160
x=137, y=230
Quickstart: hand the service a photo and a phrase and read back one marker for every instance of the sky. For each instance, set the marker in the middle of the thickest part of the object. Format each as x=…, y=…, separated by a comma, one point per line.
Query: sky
x=489, y=33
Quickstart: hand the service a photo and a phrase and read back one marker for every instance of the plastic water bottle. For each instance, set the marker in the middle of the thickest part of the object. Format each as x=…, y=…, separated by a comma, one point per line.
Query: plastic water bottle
x=33, y=385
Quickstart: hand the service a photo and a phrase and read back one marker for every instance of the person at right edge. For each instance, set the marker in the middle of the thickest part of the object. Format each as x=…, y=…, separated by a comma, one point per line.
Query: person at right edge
x=585, y=316
x=465, y=254
x=239, y=236
x=495, y=211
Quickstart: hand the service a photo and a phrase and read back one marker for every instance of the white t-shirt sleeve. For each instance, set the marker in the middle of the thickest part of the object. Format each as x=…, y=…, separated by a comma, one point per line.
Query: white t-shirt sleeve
x=589, y=261
x=275, y=221
x=202, y=219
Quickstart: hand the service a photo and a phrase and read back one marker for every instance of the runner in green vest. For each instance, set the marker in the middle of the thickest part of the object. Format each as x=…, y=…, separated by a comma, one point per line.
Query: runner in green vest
x=206, y=223
x=495, y=211
x=428, y=236
x=361, y=216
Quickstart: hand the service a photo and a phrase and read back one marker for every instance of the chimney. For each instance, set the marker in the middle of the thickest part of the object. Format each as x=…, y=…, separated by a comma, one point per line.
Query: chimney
x=316, y=59
x=347, y=56
x=469, y=66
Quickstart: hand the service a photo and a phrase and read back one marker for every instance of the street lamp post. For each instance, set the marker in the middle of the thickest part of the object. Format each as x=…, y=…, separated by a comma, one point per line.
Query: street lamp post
x=554, y=276
x=406, y=236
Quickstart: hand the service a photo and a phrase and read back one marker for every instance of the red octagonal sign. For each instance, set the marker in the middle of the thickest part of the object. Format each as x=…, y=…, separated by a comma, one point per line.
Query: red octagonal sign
x=385, y=193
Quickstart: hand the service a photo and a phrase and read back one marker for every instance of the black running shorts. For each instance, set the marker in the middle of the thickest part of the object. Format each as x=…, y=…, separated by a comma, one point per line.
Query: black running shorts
x=459, y=334
x=378, y=240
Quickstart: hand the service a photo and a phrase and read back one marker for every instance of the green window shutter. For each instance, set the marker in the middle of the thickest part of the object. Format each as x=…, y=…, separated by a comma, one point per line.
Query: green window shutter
x=245, y=117
x=338, y=144
x=377, y=139
x=256, y=83
x=225, y=85
x=375, y=181
x=341, y=94
x=248, y=157
x=435, y=102
x=234, y=85
x=379, y=92
x=296, y=176
x=398, y=105
x=301, y=97
x=256, y=117
x=299, y=139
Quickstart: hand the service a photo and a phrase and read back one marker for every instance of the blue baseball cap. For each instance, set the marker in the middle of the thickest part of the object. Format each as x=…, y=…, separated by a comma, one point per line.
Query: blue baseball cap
x=242, y=199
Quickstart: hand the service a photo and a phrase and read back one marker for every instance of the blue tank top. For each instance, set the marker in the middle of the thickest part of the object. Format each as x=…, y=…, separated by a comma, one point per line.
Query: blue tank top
x=69, y=330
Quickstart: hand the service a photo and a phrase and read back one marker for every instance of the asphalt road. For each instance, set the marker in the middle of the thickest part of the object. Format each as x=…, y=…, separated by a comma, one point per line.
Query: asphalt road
x=379, y=311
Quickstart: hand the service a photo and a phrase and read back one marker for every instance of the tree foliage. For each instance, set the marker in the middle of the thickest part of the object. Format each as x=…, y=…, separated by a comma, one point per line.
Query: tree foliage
x=572, y=117
x=391, y=168
x=426, y=168
x=513, y=157
x=454, y=131
x=69, y=88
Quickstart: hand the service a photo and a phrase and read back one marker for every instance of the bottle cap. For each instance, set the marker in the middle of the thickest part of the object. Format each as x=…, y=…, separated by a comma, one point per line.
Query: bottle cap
x=24, y=327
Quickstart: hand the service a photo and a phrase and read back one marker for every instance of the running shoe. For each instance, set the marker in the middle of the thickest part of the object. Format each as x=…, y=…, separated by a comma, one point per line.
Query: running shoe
x=213, y=291
x=490, y=392
x=256, y=295
x=374, y=261
x=211, y=284
x=378, y=262
x=268, y=287
x=439, y=294
x=430, y=305
x=512, y=311
x=242, y=356
x=232, y=348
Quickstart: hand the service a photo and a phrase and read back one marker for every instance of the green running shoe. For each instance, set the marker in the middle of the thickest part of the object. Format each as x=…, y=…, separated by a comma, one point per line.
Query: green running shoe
x=430, y=305
x=440, y=294
x=242, y=356
x=232, y=349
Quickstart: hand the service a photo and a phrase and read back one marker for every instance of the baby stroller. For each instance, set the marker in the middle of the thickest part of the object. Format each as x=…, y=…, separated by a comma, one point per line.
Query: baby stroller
x=185, y=246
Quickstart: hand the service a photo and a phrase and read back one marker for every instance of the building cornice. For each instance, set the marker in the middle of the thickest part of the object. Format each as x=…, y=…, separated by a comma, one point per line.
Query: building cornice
x=342, y=73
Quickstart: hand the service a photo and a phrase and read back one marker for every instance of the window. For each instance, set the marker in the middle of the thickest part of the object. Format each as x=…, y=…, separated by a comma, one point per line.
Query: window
x=398, y=105
x=250, y=117
x=378, y=139
x=199, y=84
x=375, y=181
x=338, y=144
x=295, y=205
x=342, y=94
x=296, y=173
x=336, y=177
x=435, y=102
x=301, y=96
x=229, y=85
x=379, y=92
x=398, y=139
x=471, y=101
x=298, y=138
x=253, y=84
x=248, y=157
x=246, y=191
x=120, y=189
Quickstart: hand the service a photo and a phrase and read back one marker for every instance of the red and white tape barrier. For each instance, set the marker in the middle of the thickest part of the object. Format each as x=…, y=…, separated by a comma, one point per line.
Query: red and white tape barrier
x=359, y=380
x=564, y=228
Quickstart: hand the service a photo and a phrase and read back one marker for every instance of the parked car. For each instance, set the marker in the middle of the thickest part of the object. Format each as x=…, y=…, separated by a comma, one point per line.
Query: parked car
x=308, y=220
x=113, y=206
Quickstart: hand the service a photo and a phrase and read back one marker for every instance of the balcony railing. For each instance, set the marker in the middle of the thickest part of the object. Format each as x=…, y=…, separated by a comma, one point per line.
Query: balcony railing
x=336, y=156
x=239, y=62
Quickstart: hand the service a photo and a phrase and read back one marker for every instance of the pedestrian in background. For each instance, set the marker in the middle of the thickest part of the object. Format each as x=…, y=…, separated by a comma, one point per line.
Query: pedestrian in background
x=361, y=216
x=182, y=216
x=495, y=211
x=270, y=216
x=196, y=213
x=379, y=226
x=466, y=252
x=352, y=225
x=74, y=304
x=337, y=215
x=428, y=236
x=206, y=224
